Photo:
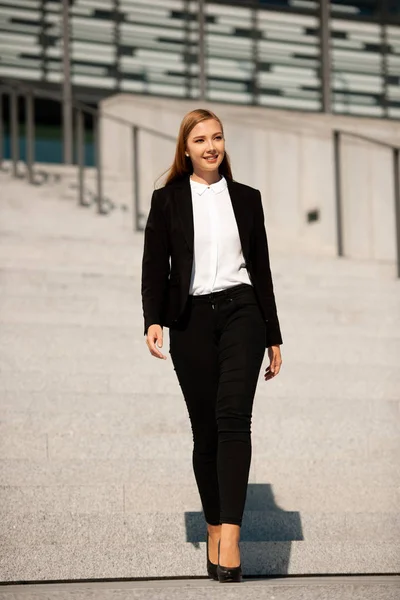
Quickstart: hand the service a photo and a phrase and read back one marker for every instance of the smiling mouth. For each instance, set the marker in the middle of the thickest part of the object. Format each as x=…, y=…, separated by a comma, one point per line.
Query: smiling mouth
x=211, y=157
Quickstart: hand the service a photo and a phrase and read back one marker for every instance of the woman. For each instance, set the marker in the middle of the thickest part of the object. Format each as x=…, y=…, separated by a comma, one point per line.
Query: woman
x=206, y=275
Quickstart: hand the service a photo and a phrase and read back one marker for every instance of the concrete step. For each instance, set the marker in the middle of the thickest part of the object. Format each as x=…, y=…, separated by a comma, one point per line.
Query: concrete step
x=354, y=382
x=323, y=302
x=42, y=208
x=49, y=411
x=351, y=587
x=332, y=484
x=58, y=446
x=119, y=491
x=113, y=559
x=118, y=356
x=52, y=233
x=84, y=524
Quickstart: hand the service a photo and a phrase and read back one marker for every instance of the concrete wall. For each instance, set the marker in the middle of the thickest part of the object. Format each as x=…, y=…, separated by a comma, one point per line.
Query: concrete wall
x=287, y=155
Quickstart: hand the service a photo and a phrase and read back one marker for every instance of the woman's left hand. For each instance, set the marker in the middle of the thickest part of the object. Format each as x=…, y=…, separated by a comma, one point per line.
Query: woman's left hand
x=275, y=361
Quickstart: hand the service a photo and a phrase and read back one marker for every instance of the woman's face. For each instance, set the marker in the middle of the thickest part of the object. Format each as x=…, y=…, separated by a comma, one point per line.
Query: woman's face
x=206, y=141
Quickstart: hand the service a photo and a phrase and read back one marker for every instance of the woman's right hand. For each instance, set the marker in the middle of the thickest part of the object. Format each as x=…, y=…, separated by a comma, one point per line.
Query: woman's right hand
x=155, y=334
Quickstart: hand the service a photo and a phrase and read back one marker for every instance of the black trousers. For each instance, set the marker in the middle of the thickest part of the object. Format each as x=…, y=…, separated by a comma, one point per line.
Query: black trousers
x=217, y=350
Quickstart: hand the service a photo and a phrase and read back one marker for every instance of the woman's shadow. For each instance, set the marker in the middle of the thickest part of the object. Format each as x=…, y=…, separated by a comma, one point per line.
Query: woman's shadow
x=266, y=535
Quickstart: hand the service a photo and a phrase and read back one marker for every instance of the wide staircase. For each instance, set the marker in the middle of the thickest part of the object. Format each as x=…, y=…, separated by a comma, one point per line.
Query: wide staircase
x=95, y=442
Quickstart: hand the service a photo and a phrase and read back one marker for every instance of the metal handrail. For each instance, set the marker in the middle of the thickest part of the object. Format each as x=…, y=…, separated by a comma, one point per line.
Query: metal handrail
x=337, y=135
x=14, y=88
x=43, y=93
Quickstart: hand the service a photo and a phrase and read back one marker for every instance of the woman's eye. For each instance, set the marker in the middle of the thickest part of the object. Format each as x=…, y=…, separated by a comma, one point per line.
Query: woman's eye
x=219, y=137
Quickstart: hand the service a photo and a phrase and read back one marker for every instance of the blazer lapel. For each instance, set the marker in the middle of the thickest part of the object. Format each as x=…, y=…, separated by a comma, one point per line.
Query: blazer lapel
x=184, y=204
x=242, y=213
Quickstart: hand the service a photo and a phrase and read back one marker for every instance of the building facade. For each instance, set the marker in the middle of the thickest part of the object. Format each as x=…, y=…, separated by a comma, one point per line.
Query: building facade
x=255, y=52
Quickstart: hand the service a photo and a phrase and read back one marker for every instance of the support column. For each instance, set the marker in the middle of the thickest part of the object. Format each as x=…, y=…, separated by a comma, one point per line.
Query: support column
x=325, y=54
x=202, y=50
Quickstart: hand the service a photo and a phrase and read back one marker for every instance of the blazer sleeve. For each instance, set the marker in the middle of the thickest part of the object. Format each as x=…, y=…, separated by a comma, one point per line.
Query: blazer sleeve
x=155, y=264
x=261, y=265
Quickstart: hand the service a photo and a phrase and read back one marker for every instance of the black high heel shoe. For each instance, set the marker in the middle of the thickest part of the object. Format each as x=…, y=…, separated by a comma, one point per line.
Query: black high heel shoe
x=211, y=567
x=228, y=574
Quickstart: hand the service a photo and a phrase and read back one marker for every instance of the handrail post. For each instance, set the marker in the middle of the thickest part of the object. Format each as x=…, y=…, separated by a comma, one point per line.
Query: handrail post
x=30, y=133
x=99, y=182
x=1, y=130
x=14, y=131
x=338, y=192
x=66, y=84
x=80, y=153
x=396, y=170
x=135, y=143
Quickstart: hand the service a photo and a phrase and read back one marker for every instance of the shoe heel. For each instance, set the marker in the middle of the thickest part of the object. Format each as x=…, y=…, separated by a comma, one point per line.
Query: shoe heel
x=228, y=574
x=211, y=567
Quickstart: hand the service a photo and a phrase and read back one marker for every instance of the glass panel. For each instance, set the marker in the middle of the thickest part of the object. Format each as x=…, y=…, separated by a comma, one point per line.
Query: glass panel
x=364, y=9
x=229, y=52
x=393, y=8
x=357, y=79
x=20, y=49
x=289, y=61
x=93, y=52
x=393, y=71
x=155, y=46
x=276, y=64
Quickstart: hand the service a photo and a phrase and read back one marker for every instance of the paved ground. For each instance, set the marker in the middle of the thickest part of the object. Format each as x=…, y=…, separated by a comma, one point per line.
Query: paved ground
x=294, y=588
x=95, y=445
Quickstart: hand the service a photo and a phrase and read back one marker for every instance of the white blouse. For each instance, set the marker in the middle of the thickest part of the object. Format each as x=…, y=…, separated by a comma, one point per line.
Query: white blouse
x=218, y=259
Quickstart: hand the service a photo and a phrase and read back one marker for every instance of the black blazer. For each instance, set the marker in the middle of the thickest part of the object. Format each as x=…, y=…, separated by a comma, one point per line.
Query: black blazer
x=169, y=249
